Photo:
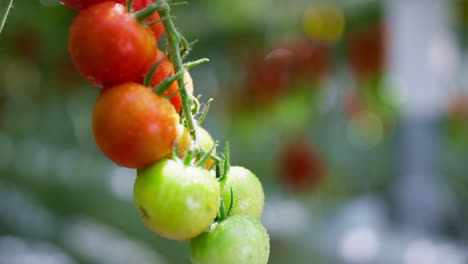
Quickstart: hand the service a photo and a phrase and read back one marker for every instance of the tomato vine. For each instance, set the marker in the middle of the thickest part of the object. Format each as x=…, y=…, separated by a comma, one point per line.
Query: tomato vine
x=147, y=118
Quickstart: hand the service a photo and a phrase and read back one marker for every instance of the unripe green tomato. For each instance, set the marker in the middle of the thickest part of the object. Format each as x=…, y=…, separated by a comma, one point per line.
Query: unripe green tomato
x=176, y=201
x=240, y=239
x=247, y=190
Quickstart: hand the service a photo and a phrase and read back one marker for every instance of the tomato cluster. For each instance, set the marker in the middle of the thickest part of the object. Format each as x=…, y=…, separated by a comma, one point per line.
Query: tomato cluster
x=143, y=119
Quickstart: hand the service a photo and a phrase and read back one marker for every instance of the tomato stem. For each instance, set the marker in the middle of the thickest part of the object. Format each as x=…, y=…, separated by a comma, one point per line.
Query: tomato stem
x=5, y=6
x=226, y=164
x=149, y=23
x=129, y=6
x=195, y=63
x=179, y=3
x=222, y=213
x=143, y=14
x=174, y=41
x=167, y=82
x=205, y=110
x=206, y=156
x=149, y=77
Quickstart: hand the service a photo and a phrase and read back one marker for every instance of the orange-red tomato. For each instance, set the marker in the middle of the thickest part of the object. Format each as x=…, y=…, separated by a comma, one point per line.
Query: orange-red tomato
x=164, y=70
x=133, y=126
x=108, y=46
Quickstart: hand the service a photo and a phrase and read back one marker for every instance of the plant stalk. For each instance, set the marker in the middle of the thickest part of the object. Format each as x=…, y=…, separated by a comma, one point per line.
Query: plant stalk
x=173, y=38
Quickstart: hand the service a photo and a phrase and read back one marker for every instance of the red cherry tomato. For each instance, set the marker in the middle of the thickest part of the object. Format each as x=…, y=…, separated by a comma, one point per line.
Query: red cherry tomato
x=133, y=126
x=108, y=46
x=301, y=167
x=164, y=70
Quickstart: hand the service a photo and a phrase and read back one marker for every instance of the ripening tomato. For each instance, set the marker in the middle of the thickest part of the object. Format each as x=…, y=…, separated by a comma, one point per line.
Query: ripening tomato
x=133, y=126
x=184, y=142
x=247, y=189
x=164, y=70
x=176, y=201
x=108, y=46
x=238, y=239
x=301, y=167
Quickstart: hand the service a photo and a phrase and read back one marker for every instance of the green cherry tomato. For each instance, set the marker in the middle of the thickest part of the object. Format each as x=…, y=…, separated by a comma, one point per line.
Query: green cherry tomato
x=247, y=189
x=240, y=239
x=176, y=201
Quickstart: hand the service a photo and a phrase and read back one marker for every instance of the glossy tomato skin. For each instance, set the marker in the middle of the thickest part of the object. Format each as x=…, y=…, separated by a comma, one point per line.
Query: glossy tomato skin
x=108, y=46
x=247, y=190
x=164, y=70
x=238, y=239
x=176, y=201
x=133, y=126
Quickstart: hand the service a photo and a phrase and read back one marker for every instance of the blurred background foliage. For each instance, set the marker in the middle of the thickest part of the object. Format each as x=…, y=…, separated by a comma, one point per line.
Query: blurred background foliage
x=301, y=92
